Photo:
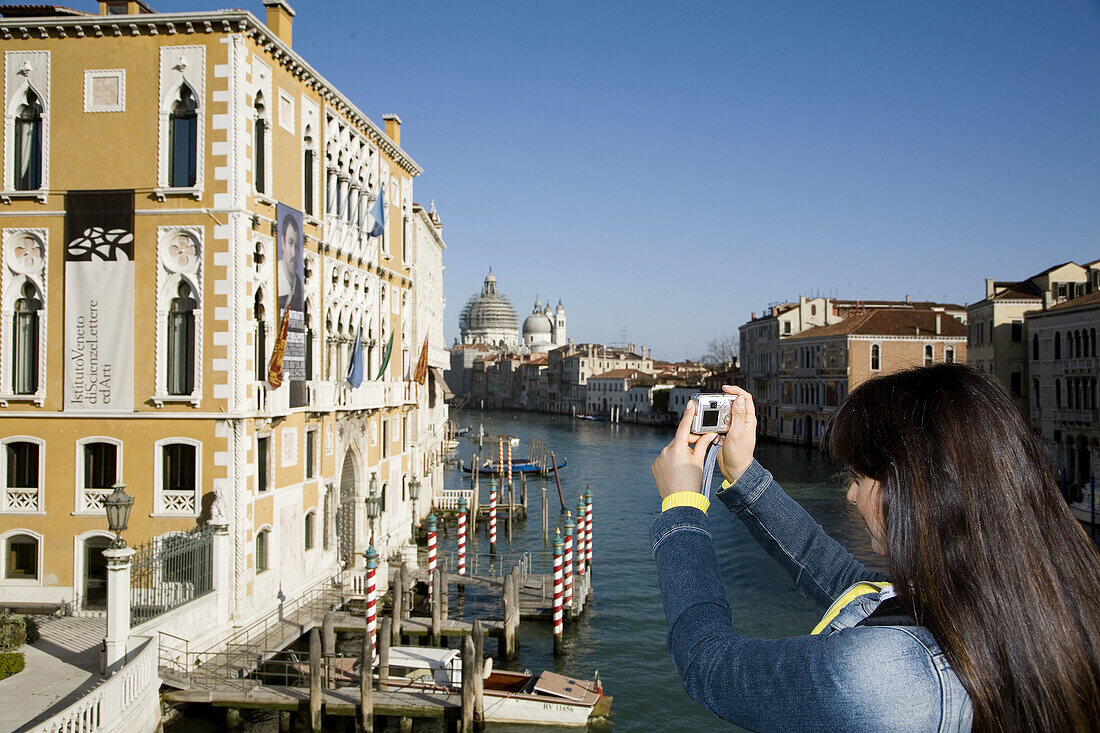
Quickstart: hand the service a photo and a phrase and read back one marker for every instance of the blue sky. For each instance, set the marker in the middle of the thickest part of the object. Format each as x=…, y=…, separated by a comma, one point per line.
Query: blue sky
x=670, y=167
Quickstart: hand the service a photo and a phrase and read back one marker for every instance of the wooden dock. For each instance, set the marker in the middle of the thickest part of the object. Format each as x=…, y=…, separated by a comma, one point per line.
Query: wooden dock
x=342, y=701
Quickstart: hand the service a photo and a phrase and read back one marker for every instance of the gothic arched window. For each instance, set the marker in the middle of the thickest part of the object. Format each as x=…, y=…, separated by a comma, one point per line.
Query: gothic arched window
x=261, y=338
x=25, y=344
x=181, y=342
x=28, y=144
x=183, y=137
x=307, y=173
x=259, y=145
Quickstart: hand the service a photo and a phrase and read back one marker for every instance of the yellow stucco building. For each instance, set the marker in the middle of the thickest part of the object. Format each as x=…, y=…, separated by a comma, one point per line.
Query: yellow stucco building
x=177, y=190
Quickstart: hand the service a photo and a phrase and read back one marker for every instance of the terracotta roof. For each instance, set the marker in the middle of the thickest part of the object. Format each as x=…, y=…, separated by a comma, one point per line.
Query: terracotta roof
x=1023, y=290
x=890, y=322
x=617, y=374
x=1051, y=269
x=1083, y=301
x=38, y=11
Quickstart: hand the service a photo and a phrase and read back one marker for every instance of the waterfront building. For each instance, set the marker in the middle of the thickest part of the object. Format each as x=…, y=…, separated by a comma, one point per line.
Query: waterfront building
x=1064, y=370
x=462, y=357
x=178, y=190
x=996, y=323
x=624, y=393
x=762, y=339
x=819, y=366
x=569, y=368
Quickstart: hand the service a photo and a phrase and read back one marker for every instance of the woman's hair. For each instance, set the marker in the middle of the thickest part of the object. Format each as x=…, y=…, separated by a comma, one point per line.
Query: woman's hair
x=983, y=550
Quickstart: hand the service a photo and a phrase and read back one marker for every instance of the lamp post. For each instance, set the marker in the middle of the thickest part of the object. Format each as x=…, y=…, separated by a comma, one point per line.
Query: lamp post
x=414, y=494
x=374, y=504
x=117, y=507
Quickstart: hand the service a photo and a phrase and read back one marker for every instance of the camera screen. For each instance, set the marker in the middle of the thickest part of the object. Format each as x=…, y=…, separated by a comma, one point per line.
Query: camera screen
x=710, y=418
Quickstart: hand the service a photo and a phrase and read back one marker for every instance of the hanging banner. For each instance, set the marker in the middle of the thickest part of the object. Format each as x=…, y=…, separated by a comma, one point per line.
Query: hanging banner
x=292, y=300
x=99, y=300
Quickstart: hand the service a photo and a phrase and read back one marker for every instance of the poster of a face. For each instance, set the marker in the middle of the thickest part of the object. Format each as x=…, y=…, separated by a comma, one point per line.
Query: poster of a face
x=291, y=292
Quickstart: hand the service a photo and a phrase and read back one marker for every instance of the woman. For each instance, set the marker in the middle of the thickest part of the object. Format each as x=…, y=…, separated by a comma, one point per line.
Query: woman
x=992, y=619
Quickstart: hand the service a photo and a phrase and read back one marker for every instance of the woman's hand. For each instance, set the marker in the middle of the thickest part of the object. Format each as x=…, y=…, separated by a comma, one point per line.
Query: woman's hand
x=679, y=466
x=740, y=442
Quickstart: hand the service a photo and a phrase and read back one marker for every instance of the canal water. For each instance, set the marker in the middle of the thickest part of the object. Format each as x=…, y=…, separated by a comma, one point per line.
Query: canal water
x=622, y=632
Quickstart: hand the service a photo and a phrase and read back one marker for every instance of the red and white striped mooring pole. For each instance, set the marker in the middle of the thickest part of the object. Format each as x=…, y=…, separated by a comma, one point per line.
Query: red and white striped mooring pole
x=462, y=536
x=431, y=552
x=557, y=593
x=581, y=536
x=372, y=599
x=588, y=524
x=567, y=595
x=492, y=519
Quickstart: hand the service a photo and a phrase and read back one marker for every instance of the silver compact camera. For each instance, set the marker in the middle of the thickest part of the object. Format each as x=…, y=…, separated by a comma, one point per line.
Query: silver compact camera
x=712, y=413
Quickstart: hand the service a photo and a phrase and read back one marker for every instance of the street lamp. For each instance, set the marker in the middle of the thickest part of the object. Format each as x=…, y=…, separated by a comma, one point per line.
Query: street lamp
x=374, y=504
x=118, y=505
x=414, y=494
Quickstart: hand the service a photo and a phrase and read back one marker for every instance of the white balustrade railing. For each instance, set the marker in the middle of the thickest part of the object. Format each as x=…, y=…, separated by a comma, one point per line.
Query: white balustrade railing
x=448, y=499
x=118, y=700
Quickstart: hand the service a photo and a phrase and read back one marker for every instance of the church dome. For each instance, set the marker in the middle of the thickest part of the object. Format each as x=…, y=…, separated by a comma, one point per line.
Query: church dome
x=536, y=323
x=488, y=310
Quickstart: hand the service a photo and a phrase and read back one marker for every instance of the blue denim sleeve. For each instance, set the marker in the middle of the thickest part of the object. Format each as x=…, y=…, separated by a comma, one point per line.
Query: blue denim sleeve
x=863, y=678
x=819, y=565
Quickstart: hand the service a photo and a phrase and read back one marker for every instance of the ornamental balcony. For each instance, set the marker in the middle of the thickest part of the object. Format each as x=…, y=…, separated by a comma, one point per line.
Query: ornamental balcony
x=1083, y=417
x=1085, y=365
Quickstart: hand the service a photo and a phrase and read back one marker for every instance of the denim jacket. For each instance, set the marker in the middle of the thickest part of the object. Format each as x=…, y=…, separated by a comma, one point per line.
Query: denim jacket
x=848, y=678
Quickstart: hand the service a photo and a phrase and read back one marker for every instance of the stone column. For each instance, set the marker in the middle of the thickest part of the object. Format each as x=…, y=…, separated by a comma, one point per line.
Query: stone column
x=118, y=607
x=222, y=565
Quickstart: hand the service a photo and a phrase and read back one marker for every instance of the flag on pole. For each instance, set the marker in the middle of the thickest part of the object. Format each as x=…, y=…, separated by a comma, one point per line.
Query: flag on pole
x=275, y=366
x=378, y=213
x=385, y=358
x=355, y=368
x=420, y=376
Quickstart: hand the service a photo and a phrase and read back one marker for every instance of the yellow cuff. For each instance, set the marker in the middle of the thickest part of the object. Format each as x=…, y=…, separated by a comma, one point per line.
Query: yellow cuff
x=686, y=498
x=726, y=483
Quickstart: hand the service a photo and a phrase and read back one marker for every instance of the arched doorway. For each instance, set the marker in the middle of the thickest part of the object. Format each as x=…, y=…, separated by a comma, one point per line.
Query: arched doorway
x=345, y=515
x=808, y=430
x=94, y=592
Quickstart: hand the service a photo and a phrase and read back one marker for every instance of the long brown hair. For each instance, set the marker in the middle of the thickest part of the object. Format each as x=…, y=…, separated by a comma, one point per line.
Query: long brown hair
x=983, y=551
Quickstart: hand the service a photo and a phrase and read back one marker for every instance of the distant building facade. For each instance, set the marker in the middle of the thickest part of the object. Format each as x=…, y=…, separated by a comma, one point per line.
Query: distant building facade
x=1064, y=370
x=821, y=365
x=763, y=338
x=997, y=341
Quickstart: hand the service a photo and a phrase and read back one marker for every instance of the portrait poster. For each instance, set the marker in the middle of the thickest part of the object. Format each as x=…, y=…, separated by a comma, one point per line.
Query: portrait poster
x=291, y=292
x=99, y=300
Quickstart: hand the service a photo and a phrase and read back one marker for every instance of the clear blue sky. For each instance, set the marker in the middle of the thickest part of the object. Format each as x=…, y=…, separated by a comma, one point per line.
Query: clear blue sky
x=673, y=166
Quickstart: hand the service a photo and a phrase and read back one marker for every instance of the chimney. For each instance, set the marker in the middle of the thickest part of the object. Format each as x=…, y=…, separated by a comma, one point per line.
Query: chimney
x=989, y=287
x=937, y=323
x=124, y=7
x=393, y=128
x=280, y=17
x=906, y=297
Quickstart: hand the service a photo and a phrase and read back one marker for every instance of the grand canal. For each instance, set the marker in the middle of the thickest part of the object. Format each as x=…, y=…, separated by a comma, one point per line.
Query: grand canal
x=622, y=633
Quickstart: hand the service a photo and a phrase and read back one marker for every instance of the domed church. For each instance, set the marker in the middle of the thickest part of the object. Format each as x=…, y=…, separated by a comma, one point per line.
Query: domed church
x=544, y=329
x=488, y=317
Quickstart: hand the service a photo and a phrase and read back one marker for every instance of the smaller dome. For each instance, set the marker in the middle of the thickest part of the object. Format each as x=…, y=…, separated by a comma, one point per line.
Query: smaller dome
x=560, y=310
x=536, y=323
